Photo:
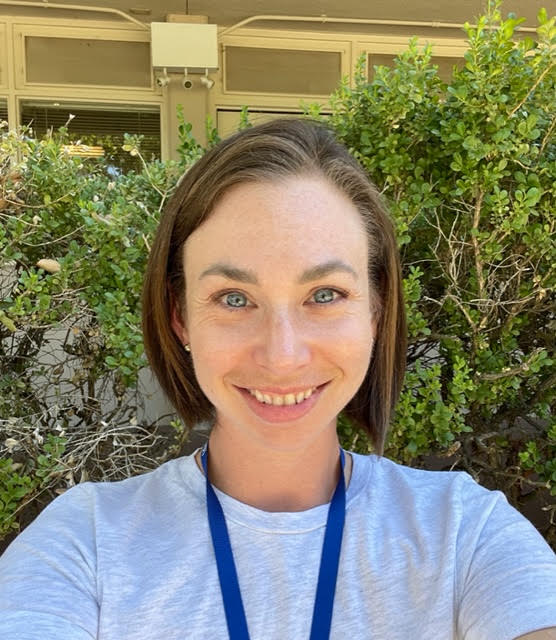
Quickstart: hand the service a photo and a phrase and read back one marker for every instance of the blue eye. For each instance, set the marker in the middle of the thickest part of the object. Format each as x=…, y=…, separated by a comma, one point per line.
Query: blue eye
x=324, y=296
x=235, y=299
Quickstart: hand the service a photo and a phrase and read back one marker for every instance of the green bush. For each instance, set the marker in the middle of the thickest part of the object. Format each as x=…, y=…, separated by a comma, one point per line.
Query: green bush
x=73, y=247
x=467, y=170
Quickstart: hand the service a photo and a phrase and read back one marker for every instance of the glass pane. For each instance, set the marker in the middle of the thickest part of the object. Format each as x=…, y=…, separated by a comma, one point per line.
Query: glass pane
x=3, y=109
x=97, y=62
x=228, y=120
x=3, y=70
x=378, y=59
x=445, y=64
x=100, y=126
x=282, y=71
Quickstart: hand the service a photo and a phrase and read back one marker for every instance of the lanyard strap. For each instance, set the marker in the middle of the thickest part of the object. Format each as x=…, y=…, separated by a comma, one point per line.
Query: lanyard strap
x=227, y=574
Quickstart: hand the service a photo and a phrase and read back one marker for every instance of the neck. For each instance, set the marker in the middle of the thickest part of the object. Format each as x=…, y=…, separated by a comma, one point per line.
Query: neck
x=276, y=480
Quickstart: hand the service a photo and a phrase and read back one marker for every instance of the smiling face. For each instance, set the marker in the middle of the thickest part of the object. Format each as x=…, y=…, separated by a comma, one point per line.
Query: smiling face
x=277, y=308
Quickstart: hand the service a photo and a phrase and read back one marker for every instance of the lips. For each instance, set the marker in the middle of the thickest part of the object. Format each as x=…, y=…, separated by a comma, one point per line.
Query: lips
x=287, y=411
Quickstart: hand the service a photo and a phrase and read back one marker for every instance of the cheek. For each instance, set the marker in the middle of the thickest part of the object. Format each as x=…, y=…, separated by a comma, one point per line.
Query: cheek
x=354, y=330
x=353, y=342
x=220, y=341
x=219, y=354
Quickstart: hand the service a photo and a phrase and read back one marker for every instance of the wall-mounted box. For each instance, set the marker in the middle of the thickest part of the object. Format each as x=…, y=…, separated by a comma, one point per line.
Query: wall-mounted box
x=186, y=17
x=178, y=46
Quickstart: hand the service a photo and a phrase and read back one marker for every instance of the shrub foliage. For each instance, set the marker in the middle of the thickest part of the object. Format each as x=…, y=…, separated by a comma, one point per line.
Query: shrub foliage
x=73, y=246
x=467, y=170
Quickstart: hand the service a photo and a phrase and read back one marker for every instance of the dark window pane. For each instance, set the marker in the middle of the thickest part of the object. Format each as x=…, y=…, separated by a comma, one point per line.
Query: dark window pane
x=96, y=62
x=282, y=71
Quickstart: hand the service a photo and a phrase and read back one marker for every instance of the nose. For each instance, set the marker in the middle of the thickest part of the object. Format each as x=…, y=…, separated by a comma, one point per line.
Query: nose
x=283, y=343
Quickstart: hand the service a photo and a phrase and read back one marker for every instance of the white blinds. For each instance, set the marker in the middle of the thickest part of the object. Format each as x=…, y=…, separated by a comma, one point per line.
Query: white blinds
x=99, y=125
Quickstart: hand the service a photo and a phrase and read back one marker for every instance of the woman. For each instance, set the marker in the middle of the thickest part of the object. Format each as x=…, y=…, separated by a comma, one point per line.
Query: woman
x=272, y=302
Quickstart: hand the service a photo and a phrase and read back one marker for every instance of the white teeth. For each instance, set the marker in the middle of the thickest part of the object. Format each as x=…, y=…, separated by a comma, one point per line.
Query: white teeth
x=288, y=399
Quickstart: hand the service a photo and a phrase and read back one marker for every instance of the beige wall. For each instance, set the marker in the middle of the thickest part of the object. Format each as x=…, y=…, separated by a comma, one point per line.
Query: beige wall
x=195, y=107
x=272, y=69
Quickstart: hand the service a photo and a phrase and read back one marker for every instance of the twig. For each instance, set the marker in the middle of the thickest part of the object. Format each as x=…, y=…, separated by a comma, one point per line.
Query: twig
x=38, y=206
x=524, y=366
x=474, y=240
x=537, y=82
x=56, y=240
x=547, y=136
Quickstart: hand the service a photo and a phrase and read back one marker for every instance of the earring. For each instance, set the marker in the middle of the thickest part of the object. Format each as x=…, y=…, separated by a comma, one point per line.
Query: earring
x=187, y=348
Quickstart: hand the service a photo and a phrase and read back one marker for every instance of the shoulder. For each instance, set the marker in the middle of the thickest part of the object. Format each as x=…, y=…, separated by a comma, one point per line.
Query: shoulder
x=160, y=485
x=444, y=524
x=447, y=506
x=124, y=493
x=89, y=512
x=398, y=483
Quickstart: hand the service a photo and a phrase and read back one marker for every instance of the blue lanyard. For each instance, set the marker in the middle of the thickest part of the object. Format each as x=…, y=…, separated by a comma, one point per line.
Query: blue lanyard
x=227, y=574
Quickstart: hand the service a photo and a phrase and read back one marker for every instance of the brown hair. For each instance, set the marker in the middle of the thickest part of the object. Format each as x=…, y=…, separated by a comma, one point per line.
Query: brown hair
x=265, y=153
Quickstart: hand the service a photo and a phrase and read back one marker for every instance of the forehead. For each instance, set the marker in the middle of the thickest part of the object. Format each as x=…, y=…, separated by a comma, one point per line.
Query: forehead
x=297, y=221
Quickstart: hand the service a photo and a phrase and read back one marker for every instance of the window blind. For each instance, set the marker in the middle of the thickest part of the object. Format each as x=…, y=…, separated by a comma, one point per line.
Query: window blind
x=100, y=126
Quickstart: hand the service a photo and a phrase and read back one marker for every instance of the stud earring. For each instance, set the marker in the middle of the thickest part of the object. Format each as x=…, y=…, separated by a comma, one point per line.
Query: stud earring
x=187, y=348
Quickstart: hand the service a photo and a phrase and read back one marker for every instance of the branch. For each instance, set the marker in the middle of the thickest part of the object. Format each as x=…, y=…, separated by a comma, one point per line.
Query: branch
x=464, y=311
x=474, y=240
x=538, y=81
x=547, y=136
x=524, y=366
x=39, y=206
x=546, y=384
x=56, y=240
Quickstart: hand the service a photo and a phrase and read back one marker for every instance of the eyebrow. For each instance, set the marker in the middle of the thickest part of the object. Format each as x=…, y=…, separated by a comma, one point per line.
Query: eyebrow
x=232, y=273
x=244, y=275
x=326, y=268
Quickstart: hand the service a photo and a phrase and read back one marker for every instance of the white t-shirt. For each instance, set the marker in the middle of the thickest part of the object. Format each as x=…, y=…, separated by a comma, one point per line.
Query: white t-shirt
x=425, y=555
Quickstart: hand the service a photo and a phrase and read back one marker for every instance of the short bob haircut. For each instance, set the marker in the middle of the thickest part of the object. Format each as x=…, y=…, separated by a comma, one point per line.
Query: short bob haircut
x=266, y=153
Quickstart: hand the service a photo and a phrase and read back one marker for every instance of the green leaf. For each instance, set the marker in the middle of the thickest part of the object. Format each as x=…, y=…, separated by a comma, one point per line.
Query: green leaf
x=7, y=322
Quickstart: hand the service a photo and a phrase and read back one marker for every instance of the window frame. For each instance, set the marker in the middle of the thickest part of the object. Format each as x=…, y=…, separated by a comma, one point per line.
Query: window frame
x=285, y=41
x=22, y=31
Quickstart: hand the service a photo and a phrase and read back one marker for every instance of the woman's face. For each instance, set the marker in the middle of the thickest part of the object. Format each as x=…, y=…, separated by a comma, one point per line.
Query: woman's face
x=278, y=310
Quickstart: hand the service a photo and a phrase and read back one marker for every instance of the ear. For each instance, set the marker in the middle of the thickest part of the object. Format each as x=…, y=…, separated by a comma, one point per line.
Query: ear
x=177, y=323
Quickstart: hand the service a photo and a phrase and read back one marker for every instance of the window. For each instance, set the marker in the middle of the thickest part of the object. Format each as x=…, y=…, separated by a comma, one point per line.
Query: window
x=101, y=126
x=81, y=61
x=445, y=64
x=260, y=70
x=3, y=56
x=3, y=109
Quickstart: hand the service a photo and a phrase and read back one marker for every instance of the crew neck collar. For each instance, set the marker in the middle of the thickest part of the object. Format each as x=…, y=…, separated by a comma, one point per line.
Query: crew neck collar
x=277, y=522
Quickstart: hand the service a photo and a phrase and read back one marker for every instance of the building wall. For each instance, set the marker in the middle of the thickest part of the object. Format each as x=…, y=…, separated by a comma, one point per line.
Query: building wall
x=105, y=64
